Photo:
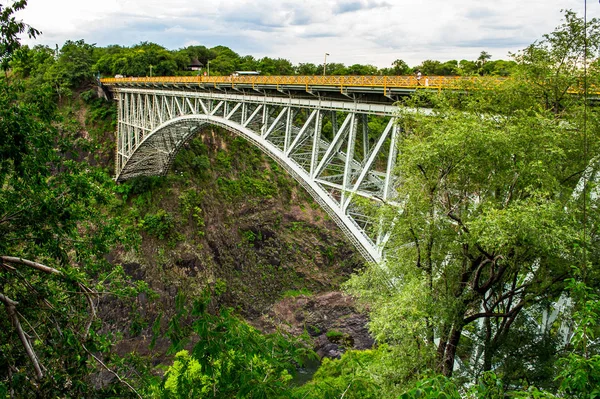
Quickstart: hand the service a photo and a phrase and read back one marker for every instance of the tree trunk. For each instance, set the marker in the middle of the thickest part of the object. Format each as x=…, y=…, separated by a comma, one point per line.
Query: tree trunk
x=487, y=348
x=450, y=352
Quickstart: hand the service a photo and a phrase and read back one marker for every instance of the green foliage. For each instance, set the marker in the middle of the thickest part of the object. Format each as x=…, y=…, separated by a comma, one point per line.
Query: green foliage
x=296, y=293
x=247, y=186
x=53, y=211
x=74, y=65
x=10, y=29
x=139, y=60
x=490, y=223
x=489, y=386
x=400, y=67
x=144, y=184
x=436, y=387
x=190, y=201
x=432, y=67
x=350, y=377
x=580, y=370
x=230, y=359
x=250, y=236
x=159, y=224
x=552, y=66
x=334, y=335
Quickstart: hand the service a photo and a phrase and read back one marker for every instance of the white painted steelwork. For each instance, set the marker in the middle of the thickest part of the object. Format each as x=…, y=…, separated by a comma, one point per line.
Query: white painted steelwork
x=332, y=148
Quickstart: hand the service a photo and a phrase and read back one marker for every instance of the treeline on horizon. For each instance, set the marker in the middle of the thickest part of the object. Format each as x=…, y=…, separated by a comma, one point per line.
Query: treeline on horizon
x=151, y=59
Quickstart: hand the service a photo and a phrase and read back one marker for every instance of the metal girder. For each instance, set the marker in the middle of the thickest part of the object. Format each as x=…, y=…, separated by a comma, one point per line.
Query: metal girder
x=335, y=165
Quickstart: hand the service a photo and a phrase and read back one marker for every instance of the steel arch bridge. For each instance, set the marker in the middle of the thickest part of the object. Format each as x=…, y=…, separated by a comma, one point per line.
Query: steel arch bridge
x=341, y=149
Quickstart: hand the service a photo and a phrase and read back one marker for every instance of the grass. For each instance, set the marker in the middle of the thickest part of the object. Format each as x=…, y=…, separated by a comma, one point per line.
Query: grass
x=296, y=293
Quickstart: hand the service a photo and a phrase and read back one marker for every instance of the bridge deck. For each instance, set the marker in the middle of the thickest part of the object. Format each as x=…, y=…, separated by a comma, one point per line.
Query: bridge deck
x=380, y=84
x=387, y=87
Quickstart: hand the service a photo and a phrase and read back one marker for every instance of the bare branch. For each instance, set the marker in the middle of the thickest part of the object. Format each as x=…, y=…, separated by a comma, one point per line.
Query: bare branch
x=35, y=265
x=510, y=313
x=88, y=294
x=7, y=267
x=11, y=310
x=112, y=372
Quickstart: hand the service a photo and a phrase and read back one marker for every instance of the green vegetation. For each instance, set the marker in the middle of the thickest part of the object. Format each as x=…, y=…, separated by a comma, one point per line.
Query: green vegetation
x=79, y=62
x=230, y=358
x=493, y=215
x=492, y=236
x=295, y=293
x=55, y=229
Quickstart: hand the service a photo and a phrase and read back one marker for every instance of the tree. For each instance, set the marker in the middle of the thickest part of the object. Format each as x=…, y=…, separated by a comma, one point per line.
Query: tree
x=491, y=231
x=428, y=67
x=54, y=239
x=483, y=58
x=498, y=68
x=358, y=69
x=10, y=29
x=307, y=69
x=279, y=66
x=400, y=67
x=467, y=67
x=489, y=227
x=553, y=65
x=334, y=68
x=230, y=358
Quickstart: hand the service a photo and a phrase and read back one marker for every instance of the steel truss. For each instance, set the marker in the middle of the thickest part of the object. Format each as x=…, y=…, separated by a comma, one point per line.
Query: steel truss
x=341, y=152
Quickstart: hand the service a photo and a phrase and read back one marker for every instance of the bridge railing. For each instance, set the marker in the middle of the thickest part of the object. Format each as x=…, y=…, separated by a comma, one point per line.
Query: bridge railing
x=443, y=82
x=384, y=82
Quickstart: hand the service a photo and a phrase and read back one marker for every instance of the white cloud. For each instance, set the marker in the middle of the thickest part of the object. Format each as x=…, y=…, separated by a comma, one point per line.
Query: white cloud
x=351, y=31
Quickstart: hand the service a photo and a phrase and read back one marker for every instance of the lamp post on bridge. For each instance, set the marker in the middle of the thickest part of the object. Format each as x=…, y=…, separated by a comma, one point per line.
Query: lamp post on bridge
x=325, y=64
x=208, y=68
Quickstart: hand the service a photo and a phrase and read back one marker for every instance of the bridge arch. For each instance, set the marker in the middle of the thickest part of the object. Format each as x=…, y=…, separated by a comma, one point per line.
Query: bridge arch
x=155, y=153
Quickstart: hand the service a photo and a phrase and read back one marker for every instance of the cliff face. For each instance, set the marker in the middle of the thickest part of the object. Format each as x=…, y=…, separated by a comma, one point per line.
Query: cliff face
x=228, y=218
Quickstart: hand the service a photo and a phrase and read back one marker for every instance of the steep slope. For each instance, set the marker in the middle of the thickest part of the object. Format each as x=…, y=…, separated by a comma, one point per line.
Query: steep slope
x=225, y=218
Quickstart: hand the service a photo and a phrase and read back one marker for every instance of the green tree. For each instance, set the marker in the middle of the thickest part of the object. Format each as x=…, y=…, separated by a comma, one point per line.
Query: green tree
x=230, y=359
x=307, y=69
x=400, y=67
x=74, y=64
x=54, y=239
x=358, y=69
x=483, y=58
x=553, y=65
x=484, y=257
x=334, y=68
x=10, y=29
x=429, y=67
x=279, y=66
x=27, y=62
x=498, y=68
x=466, y=67
x=489, y=227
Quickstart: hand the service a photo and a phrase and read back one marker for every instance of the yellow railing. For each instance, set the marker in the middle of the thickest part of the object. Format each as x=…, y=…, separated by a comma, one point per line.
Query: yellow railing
x=383, y=82
x=445, y=82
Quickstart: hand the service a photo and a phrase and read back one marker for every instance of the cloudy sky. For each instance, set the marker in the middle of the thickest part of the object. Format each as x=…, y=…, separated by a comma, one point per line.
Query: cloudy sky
x=352, y=31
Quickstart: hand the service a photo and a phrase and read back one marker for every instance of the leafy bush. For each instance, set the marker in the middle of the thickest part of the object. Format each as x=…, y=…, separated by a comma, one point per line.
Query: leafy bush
x=230, y=359
x=159, y=224
x=437, y=386
x=348, y=377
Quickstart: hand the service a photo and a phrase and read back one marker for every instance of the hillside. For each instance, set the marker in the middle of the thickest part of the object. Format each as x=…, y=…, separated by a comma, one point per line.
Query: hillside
x=225, y=216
